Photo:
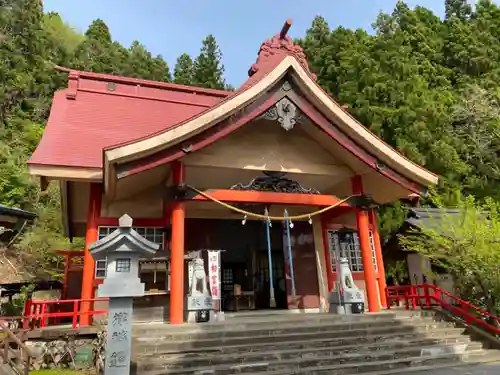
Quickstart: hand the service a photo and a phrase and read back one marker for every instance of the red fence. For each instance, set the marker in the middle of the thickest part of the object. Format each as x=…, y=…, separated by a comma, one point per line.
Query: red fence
x=41, y=314
x=427, y=295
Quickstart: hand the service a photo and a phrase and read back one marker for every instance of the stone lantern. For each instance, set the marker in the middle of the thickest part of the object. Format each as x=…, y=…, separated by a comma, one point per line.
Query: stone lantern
x=122, y=250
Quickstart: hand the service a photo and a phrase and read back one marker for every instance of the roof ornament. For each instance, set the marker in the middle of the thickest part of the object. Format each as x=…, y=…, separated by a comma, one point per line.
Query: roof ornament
x=280, y=45
x=286, y=113
x=285, y=28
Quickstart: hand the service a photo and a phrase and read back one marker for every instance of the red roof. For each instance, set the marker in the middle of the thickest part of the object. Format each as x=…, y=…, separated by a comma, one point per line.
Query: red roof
x=100, y=110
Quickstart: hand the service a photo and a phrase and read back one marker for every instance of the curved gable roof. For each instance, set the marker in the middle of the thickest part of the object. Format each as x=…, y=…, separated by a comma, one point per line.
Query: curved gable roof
x=278, y=64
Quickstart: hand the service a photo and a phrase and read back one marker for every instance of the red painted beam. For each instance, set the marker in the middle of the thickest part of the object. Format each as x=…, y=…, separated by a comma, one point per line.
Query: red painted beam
x=139, y=222
x=240, y=196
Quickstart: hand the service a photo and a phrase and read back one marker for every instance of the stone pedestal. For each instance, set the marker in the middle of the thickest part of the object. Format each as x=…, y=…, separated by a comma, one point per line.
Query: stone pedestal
x=119, y=341
x=199, y=302
x=121, y=250
x=347, y=298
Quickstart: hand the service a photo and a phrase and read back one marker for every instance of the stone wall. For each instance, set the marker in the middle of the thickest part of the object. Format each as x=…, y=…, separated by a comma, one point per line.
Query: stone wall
x=69, y=351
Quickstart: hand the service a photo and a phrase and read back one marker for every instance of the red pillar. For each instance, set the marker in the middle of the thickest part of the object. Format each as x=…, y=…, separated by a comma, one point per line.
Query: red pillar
x=380, y=259
x=91, y=236
x=177, y=252
x=366, y=251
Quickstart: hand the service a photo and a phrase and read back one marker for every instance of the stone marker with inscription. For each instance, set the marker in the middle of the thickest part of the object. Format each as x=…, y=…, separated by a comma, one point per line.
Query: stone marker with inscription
x=122, y=250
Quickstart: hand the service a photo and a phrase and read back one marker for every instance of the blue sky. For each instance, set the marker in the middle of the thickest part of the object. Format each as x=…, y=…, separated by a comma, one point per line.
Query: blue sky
x=171, y=28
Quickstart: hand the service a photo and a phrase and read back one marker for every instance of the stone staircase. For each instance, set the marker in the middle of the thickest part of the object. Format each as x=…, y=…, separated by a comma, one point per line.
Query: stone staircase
x=283, y=343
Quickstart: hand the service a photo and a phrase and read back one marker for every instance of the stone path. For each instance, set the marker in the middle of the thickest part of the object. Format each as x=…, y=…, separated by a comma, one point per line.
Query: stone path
x=486, y=369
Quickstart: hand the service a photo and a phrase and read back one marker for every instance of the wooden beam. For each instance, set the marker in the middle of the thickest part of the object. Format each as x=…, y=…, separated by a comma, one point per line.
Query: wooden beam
x=239, y=196
x=285, y=28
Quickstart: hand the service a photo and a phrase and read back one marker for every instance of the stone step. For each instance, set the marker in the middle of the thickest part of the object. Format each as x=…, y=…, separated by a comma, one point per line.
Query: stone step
x=480, y=368
x=226, y=333
x=345, y=337
x=290, y=314
x=189, y=360
x=278, y=317
x=349, y=363
x=144, y=352
x=268, y=313
x=262, y=322
x=405, y=366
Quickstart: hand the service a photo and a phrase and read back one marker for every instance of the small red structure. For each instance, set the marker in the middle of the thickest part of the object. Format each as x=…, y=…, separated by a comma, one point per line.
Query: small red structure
x=189, y=165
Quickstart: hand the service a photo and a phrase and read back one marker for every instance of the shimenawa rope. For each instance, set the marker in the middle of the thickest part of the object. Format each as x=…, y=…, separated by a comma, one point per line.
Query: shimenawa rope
x=267, y=217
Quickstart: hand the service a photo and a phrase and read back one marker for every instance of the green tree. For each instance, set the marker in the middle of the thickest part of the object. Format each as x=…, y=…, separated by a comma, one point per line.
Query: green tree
x=139, y=61
x=61, y=32
x=183, y=72
x=476, y=124
x=457, y=8
x=159, y=70
x=98, y=53
x=466, y=245
x=99, y=32
x=320, y=58
x=21, y=52
x=408, y=82
x=141, y=64
x=27, y=54
x=208, y=70
x=24, y=74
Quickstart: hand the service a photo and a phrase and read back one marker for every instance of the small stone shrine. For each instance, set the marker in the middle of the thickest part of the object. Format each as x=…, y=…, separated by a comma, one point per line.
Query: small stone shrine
x=122, y=250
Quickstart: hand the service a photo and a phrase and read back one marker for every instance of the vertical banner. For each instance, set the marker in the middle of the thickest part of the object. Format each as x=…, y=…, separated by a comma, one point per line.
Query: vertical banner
x=214, y=273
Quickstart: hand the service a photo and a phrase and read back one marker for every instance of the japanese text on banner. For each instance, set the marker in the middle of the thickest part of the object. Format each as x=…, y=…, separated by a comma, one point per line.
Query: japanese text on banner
x=214, y=273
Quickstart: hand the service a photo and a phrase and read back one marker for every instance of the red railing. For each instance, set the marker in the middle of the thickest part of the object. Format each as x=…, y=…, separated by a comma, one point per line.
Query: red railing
x=427, y=295
x=41, y=314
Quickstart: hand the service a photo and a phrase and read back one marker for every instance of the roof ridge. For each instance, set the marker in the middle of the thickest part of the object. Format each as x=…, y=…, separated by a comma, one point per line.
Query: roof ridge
x=142, y=82
x=144, y=97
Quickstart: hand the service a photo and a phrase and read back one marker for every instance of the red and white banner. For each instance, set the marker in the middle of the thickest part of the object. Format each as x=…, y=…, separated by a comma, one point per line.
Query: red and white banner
x=214, y=273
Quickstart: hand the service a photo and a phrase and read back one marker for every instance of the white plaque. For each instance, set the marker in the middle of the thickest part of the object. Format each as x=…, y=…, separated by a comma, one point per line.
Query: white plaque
x=214, y=273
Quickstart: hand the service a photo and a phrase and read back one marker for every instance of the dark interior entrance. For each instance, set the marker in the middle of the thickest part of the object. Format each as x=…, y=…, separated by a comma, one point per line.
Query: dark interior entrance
x=245, y=281
x=262, y=280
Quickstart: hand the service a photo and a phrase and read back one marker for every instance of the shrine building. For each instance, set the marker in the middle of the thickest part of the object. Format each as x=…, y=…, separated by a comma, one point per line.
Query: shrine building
x=276, y=175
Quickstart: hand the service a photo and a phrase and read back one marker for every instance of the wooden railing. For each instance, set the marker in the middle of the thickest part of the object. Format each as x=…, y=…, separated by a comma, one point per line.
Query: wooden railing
x=41, y=314
x=14, y=352
x=427, y=295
